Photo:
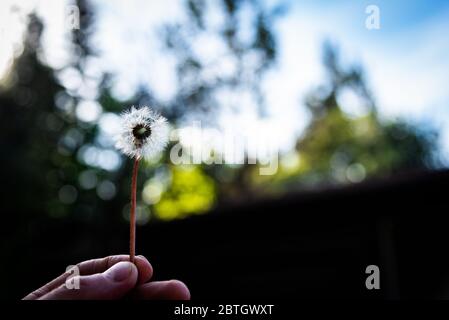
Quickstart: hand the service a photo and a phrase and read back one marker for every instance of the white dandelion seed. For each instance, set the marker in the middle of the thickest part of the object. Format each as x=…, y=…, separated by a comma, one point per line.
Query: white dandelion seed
x=143, y=133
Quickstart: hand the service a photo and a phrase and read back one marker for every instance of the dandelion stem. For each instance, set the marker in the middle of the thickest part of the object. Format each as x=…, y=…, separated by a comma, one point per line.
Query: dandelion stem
x=132, y=216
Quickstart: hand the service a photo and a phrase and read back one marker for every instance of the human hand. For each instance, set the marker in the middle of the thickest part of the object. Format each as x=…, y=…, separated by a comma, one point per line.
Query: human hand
x=110, y=278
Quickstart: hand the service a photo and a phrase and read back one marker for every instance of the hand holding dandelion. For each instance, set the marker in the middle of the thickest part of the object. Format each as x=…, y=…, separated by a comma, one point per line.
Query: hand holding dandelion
x=143, y=134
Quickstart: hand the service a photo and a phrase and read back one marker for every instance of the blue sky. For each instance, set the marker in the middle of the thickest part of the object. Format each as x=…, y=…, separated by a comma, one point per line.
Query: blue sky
x=406, y=60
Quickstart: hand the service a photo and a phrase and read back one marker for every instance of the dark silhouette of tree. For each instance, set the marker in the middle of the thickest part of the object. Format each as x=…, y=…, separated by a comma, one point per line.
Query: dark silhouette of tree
x=31, y=129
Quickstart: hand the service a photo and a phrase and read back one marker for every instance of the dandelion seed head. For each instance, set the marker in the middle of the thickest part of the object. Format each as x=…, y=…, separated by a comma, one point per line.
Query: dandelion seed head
x=143, y=133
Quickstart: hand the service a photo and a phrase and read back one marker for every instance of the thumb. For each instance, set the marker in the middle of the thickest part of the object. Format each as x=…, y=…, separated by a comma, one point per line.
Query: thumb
x=114, y=283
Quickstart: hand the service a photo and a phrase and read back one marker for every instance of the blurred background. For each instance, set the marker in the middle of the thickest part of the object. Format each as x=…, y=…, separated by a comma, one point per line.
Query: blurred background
x=346, y=104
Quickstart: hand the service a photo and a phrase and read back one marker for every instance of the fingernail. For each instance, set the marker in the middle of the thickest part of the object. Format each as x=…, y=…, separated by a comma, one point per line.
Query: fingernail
x=120, y=271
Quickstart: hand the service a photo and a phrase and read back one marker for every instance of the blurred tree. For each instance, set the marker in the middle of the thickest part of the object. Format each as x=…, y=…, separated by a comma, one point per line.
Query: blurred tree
x=55, y=157
x=65, y=162
x=338, y=147
x=246, y=48
x=31, y=130
x=191, y=192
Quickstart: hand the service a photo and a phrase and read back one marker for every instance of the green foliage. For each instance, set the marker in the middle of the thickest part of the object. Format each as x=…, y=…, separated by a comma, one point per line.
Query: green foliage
x=336, y=145
x=191, y=192
x=338, y=148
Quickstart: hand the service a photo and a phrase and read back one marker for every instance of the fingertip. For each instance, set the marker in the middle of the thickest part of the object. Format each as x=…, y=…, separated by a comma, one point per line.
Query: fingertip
x=162, y=290
x=178, y=290
x=145, y=269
